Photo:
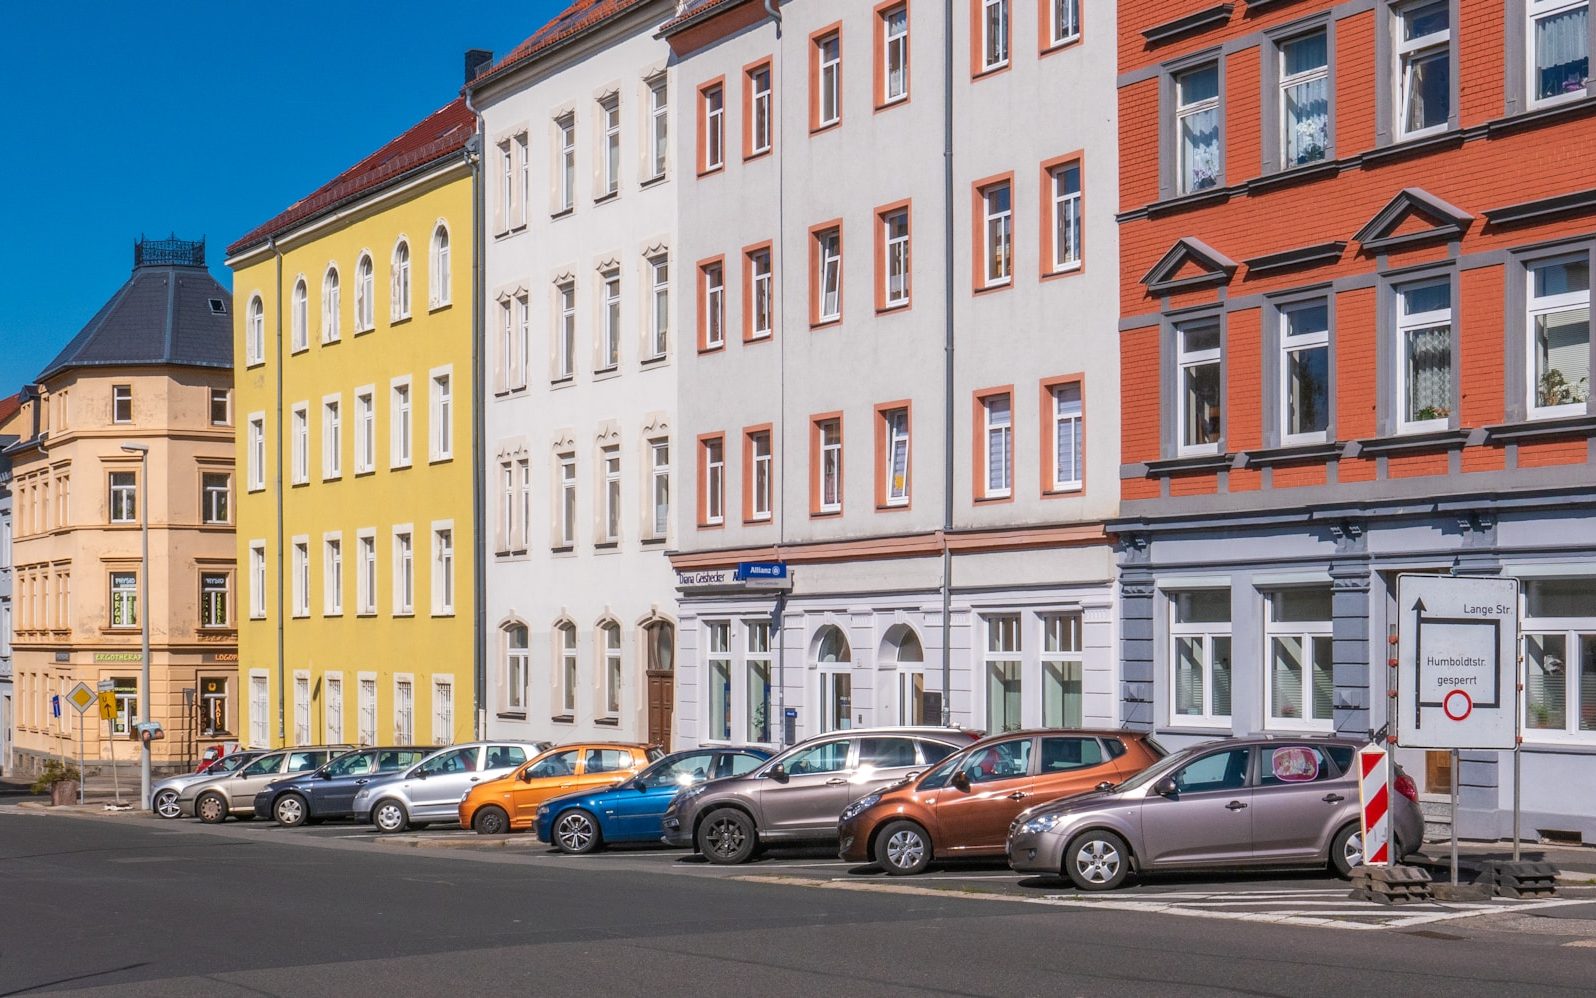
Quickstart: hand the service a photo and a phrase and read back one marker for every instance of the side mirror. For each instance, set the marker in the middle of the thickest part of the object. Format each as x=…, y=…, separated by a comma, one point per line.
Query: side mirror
x=1105, y=785
x=525, y=775
x=1166, y=787
x=778, y=772
x=961, y=781
x=323, y=774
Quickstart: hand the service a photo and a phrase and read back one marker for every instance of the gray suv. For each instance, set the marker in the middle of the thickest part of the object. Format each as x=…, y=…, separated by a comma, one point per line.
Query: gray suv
x=797, y=796
x=431, y=790
x=211, y=801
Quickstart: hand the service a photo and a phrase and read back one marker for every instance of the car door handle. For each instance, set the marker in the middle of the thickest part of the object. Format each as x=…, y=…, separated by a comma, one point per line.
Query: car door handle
x=1018, y=795
x=475, y=779
x=1235, y=805
x=1332, y=798
x=836, y=782
x=361, y=783
x=566, y=786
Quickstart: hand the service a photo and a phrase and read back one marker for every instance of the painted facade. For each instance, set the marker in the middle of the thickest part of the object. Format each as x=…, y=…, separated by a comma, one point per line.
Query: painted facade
x=353, y=340
x=9, y=408
x=815, y=420
x=1355, y=342
x=152, y=369
x=584, y=281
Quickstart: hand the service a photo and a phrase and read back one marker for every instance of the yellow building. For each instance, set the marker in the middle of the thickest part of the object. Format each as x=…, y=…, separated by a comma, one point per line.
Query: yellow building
x=353, y=367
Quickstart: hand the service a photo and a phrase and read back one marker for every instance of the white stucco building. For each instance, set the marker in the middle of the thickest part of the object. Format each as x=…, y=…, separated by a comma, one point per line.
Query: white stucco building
x=580, y=178
x=815, y=409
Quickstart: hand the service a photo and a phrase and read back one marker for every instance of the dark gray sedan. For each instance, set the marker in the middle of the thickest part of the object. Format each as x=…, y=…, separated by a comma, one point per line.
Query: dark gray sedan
x=1234, y=802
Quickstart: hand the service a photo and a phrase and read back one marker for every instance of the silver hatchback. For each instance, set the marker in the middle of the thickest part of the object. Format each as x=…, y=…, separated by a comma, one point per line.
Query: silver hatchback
x=431, y=790
x=1234, y=802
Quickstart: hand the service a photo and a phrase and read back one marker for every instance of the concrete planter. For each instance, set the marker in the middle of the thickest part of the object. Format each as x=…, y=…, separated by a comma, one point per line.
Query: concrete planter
x=65, y=792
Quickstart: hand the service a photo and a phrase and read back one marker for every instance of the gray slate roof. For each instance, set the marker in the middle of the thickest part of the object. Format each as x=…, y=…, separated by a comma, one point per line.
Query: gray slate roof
x=161, y=316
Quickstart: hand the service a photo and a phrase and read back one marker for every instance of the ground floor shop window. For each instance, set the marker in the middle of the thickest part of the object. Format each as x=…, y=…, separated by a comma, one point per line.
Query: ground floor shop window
x=1003, y=685
x=1200, y=655
x=257, y=711
x=127, y=704
x=1062, y=668
x=1560, y=657
x=719, y=687
x=213, y=706
x=1301, y=680
x=758, y=671
x=834, y=658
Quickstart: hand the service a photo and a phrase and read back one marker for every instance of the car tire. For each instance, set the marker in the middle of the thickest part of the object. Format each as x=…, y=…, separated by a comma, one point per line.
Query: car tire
x=290, y=810
x=1097, y=860
x=903, y=849
x=1346, y=850
x=490, y=820
x=165, y=805
x=389, y=816
x=576, y=833
x=211, y=809
x=727, y=837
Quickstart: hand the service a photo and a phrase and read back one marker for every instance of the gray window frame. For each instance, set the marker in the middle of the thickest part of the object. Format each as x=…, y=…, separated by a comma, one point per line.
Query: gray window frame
x=1269, y=98
x=1273, y=371
x=1515, y=35
x=1516, y=328
x=1169, y=128
x=1169, y=362
x=1387, y=86
x=1387, y=420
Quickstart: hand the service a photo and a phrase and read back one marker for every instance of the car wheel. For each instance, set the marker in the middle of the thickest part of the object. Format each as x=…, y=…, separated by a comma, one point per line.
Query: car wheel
x=389, y=816
x=491, y=820
x=576, y=833
x=289, y=810
x=1346, y=850
x=1097, y=861
x=903, y=848
x=727, y=837
x=211, y=809
x=165, y=804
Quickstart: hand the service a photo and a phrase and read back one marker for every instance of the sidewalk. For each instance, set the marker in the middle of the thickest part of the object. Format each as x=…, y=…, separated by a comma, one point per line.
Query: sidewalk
x=97, y=790
x=1575, y=864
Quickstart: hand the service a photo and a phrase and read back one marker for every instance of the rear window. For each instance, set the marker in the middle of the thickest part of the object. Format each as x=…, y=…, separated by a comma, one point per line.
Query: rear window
x=1342, y=756
x=606, y=760
x=505, y=756
x=1060, y=755
x=736, y=764
x=304, y=762
x=1280, y=765
x=1116, y=748
x=886, y=753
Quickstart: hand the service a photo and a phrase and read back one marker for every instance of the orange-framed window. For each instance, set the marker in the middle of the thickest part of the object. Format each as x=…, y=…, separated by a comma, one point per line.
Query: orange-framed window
x=1062, y=225
x=712, y=304
x=990, y=36
x=893, y=454
x=1058, y=23
x=759, y=474
x=825, y=464
x=825, y=77
x=759, y=128
x=993, y=440
x=712, y=126
x=893, y=258
x=825, y=273
x=712, y=480
x=1062, y=407
x=892, y=52
x=759, y=293
x=992, y=217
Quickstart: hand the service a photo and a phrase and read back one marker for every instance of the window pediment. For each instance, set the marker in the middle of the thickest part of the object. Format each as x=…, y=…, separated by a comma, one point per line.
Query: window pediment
x=1190, y=263
x=1413, y=216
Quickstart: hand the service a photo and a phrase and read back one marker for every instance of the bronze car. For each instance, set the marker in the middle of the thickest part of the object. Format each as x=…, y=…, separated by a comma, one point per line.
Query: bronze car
x=964, y=806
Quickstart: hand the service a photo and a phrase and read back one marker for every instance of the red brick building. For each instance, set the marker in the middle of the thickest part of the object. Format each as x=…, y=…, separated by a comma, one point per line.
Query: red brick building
x=1355, y=340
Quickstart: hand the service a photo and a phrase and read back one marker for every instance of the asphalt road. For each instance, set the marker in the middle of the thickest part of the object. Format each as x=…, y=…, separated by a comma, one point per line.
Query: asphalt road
x=139, y=907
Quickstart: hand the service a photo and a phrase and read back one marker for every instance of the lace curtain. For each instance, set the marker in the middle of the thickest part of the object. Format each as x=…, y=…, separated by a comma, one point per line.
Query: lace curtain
x=1562, y=53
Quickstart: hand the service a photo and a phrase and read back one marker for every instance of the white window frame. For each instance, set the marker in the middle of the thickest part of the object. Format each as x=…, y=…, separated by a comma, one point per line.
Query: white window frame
x=331, y=305
x=300, y=565
x=333, y=707
x=830, y=276
x=565, y=338
x=1206, y=631
x=257, y=580
x=1408, y=51
x=1537, y=10
x=714, y=480
x=897, y=456
x=255, y=332
x=610, y=112
x=517, y=667
x=332, y=574
x=1290, y=343
x=1289, y=82
x=565, y=126
x=717, y=661
x=994, y=34
x=566, y=513
x=659, y=487
x=401, y=435
x=714, y=99
x=659, y=314
x=404, y=571
x=1003, y=645
x=997, y=437
x=365, y=292
x=299, y=443
x=896, y=266
x=1072, y=414
x=332, y=459
x=259, y=707
x=1068, y=223
x=440, y=392
x=443, y=568
x=828, y=77
x=1408, y=323
x=365, y=429
x=610, y=458
x=1570, y=629
x=714, y=277
x=442, y=710
x=895, y=54
x=1305, y=632
x=1064, y=21
x=759, y=119
x=523, y=197
x=1536, y=307
x=659, y=127
x=614, y=679
x=523, y=517
x=610, y=324
x=828, y=433
x=1190, y=360
x=257, y=451
x=1063, y=661
x=1191, y=110
x=302, y=707
x=366, y=572
x=439, y=274
x=761, y=477
x=124, y=496
x=570, y=668
x=300, y=318
x=404, y=709
x=997, y=235
x=366, y=704
x=762, y=322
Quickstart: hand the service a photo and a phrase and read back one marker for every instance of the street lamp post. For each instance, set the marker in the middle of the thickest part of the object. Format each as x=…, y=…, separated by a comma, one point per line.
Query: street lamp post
x=143, y=451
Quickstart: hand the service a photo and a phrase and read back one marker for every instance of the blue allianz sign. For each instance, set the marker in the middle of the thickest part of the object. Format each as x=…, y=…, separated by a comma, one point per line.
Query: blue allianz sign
x=748, y=570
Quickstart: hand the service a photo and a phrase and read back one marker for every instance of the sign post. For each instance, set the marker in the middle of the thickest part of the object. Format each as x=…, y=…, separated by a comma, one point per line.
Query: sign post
x=1457, y=669
x=107, y=688
x=81, y=698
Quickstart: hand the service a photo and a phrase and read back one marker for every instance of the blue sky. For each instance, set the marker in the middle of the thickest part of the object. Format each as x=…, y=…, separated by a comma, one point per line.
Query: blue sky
x=203, y=117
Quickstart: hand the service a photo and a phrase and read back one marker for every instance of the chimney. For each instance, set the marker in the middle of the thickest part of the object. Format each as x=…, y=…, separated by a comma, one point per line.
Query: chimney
x=476, y=60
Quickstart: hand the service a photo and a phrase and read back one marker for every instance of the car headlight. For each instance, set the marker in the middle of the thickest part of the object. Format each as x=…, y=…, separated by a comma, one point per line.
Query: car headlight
x=362, y=794
x=859, y=806
x=542, y=810
x=464, y=796
x=1041, y=823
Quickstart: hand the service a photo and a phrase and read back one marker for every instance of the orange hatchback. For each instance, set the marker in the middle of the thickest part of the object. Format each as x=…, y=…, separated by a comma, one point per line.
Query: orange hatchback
x=963, y=807
x=510, y=803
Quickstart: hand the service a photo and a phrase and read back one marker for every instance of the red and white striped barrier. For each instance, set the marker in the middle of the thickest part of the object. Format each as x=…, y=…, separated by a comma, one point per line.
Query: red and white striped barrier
x=1375, y=797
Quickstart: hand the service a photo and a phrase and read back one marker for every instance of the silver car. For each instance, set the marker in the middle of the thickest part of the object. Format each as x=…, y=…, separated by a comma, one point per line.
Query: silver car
x=163, y=796
x=1234, y=802
x=431, y=790
x=797, y=796
x=211, y=801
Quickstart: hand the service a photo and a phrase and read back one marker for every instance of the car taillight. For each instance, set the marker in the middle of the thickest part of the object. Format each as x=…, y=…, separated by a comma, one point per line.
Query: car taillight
x=1407, y=788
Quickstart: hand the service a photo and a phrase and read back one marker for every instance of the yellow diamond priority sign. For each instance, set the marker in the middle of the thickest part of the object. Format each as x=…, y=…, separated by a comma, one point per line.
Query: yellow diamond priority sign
x=81, y=697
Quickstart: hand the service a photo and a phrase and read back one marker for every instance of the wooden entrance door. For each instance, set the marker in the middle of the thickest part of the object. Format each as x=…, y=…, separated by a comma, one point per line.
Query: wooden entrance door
x=661, y=705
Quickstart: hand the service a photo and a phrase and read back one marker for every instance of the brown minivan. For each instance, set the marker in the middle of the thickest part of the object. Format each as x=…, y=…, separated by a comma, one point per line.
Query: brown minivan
x=963, y=807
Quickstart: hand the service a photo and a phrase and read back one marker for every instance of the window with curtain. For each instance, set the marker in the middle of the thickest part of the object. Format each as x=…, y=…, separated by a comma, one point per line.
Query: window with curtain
x=1424, y=67
x=1301, y=673
x=1197, y=128
x=1559, y=33
x=1424, y=338
x=1199, y=630
x=1559, y=647
x=1304, y=99
x=1559, y=328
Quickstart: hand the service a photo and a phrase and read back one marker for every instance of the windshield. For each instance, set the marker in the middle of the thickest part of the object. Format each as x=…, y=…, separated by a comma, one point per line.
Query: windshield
x=353, y=764
x=1158, y=770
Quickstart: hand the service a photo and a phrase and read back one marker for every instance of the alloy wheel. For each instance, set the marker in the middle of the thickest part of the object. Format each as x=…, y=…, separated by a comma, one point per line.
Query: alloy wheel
x=1098, y=861
x=166, y=804
x=575, y=833
x=726, y=836
x=1353, y=851
x=905, y=849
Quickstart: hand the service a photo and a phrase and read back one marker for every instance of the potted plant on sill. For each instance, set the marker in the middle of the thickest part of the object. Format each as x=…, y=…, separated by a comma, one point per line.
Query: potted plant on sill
x=61, y=781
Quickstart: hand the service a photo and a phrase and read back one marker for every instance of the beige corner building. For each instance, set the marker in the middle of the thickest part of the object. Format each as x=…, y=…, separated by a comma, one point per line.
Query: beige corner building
x=152, y=369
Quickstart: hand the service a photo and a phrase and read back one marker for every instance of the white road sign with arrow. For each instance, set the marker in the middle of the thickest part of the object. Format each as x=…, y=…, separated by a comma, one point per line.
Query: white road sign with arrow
x=1457, y=654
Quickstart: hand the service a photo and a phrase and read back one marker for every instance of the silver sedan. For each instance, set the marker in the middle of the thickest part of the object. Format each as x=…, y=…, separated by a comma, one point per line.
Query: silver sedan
x=164, y=795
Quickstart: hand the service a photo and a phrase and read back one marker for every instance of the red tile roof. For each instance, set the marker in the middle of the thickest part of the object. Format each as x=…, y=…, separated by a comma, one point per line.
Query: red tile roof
x=581, y=16
x=693, y=11
x=440, y=134
x=9, y=407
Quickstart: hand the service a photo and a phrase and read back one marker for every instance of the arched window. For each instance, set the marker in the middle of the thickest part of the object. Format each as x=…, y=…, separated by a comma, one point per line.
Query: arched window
x=901, y=645
x=399, y=287
x=438, y=281
x=331, y=305
x=365, y=310
x=301, y=318
x=834, y=659
x=516, y=667
x=610, y=636
x=255, y=332
x=565, y=646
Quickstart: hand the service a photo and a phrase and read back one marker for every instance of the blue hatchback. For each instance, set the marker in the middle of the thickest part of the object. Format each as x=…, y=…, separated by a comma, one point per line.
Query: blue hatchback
x=631, y=811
